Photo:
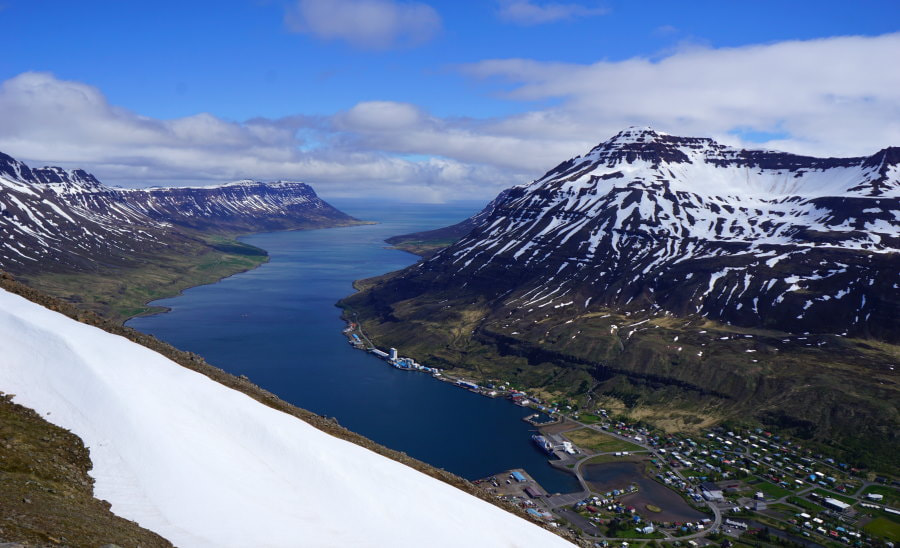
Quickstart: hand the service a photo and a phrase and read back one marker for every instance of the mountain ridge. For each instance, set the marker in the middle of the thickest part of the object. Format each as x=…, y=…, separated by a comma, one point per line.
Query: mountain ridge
x=41, y=205
x=589, y=220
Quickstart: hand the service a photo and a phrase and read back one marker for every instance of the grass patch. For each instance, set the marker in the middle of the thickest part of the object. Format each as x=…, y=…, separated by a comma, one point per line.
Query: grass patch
x=884, y=528
x=771, y=490
x=879, y=513
x=784, y=508
x=589, y=419
x=424, y=248
x=806, y=504
x=588, y=438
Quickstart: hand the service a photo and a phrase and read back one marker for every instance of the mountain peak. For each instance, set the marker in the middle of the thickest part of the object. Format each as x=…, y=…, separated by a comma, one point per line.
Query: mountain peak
x=641, y=143
x=889, y=156
x=637, y=134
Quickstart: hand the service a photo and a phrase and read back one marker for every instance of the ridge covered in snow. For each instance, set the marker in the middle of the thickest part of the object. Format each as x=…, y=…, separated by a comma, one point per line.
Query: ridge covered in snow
x=59, y=220
x=203, y=465
x=685, y=225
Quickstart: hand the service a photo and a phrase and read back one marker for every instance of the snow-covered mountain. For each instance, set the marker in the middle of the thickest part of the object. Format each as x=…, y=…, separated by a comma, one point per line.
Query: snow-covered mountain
x=679, y=280
x=53, y=219
x=685, y=225
x=204, y=465
x=242, y=205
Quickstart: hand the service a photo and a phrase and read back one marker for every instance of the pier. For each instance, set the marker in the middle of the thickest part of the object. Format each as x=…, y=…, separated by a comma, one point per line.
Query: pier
x=533, y=420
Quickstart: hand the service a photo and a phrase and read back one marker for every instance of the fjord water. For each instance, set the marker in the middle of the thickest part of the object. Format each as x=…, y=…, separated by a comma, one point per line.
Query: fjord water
x=278, y=325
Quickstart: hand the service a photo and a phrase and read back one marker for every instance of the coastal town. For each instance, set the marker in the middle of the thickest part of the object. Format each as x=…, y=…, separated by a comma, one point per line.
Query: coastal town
x=724, y=486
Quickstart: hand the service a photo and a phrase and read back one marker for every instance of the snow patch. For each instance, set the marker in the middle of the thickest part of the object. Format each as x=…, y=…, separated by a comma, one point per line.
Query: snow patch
x=203, y=465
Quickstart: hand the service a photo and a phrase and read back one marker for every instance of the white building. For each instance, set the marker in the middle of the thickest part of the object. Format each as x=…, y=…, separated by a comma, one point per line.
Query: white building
x=393, y=354
x=836, y=504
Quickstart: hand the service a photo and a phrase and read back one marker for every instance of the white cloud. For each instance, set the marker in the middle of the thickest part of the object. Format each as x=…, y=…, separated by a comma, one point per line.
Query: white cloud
x=525, y=12
x=404, y=128
x=828, y=97
x=52, y=121
x=834, y=96
x=381, y=116
x=370, y=24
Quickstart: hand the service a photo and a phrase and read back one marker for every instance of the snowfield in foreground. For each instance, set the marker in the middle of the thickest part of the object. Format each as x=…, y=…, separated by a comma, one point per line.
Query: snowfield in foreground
x=204, y=465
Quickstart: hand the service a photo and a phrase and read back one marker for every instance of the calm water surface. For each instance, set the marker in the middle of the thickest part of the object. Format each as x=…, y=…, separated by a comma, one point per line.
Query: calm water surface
x=278, y=325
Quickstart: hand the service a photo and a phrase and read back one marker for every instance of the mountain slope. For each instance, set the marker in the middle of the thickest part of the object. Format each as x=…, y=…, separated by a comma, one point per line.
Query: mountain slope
x=241, y=206
x=609, y=276
x=46, y=491
x=58, y=220
x=690, y=226
x=115, y=249
x=203, y=465
x=51, y=219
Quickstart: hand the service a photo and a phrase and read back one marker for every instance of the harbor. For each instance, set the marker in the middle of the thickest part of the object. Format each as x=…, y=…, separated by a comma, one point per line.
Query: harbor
x=546, y=415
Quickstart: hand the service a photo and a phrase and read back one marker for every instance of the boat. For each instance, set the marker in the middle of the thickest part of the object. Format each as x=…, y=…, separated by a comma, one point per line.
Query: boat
x=543, y=443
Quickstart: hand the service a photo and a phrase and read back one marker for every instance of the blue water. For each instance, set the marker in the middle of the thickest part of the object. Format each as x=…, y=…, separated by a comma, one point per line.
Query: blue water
x=278, y=325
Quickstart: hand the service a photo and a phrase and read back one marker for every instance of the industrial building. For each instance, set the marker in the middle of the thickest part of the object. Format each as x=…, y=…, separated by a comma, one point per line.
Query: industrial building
x=835, y=504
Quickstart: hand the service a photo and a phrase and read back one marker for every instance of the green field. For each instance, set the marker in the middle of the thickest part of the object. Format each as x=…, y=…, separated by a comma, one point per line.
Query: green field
x=885, y=528
x=589, y=419
x=588, y=438
x=771, y=490
x=806, y=504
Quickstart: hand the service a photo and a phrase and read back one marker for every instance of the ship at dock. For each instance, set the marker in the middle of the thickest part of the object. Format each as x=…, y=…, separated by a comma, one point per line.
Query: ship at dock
x=543, y=443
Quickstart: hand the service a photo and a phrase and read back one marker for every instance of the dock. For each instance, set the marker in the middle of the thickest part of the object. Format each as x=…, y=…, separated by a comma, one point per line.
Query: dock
x=532, y=420
x=515, y=483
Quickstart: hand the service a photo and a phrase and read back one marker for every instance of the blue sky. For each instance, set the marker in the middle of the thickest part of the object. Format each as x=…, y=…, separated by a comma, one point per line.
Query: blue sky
x=430, y=99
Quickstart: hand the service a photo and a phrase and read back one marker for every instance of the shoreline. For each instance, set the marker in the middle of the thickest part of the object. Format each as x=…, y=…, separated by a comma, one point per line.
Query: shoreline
x=238, y=238
x=165, y=309
x=515, y=396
